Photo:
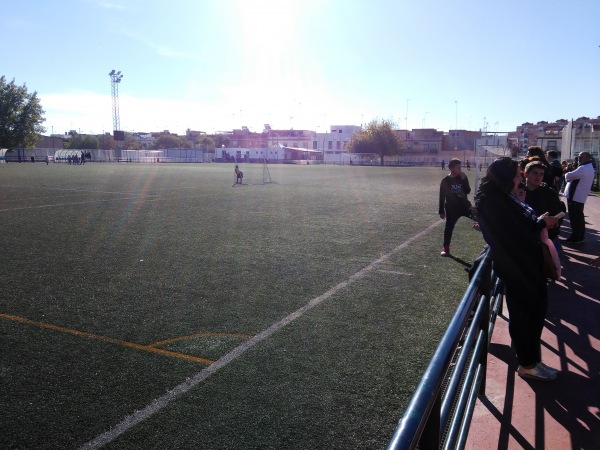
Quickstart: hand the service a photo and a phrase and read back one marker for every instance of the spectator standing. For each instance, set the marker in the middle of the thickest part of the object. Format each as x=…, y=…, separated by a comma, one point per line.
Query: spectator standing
x=555, y=169
x=579, y=183
x=453, y=203
x=540, y=196
x=534, y=151
x=565, y=168
x=512, y=231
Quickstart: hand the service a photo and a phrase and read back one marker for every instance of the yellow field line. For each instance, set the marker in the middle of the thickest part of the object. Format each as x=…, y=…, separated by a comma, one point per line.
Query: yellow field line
x=181, y=338
x=146, y=348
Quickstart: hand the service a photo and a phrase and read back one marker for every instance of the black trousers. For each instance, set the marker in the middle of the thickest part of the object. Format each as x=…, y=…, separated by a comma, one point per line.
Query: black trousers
x=451, y=219
x=527, y=304
x=577, y=220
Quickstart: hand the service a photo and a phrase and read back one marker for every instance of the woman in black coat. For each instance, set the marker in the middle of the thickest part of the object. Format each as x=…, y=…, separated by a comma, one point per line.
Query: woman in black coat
x=512, y=230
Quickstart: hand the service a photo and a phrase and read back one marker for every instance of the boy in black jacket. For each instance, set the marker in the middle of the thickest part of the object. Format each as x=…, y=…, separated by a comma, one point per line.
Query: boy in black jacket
x=453, y=201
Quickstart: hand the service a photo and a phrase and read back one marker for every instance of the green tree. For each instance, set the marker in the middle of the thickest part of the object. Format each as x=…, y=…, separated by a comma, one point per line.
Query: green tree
x=131, y=143
x=83, y=142
x=206, y=143
x=221, y=140
x=107, y=142
x=21, y=116
x=171, y=141
x=379, y=138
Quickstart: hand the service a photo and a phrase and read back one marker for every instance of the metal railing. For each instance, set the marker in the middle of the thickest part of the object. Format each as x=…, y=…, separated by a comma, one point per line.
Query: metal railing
x=439, y=413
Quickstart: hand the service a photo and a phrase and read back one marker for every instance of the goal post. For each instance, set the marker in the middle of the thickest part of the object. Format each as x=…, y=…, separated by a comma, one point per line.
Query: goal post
x=256, y=172
x=485, y=155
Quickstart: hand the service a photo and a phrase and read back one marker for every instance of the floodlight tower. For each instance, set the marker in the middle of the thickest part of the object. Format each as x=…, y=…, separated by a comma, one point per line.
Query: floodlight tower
x=115, y=78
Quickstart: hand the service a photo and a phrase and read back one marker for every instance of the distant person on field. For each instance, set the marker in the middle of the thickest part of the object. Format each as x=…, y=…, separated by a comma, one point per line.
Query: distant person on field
x=453, y=203
x=239, y=175
x=443, y=164
x=579, y=183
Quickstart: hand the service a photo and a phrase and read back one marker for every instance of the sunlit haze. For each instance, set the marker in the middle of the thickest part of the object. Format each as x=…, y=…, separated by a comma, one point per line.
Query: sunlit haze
x=216, y=65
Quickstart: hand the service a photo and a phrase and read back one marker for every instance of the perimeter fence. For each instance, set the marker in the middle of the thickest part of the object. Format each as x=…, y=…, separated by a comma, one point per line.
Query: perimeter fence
x=440, y=411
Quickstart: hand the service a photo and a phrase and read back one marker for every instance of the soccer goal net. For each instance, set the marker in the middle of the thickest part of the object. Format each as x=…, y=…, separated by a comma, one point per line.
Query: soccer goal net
x=252, y=174
x=485, y=155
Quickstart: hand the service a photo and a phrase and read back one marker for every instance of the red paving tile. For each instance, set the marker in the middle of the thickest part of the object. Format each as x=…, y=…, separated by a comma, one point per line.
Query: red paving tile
x=564, y=414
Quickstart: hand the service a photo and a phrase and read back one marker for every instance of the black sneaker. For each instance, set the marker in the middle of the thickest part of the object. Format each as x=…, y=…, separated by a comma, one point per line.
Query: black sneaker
x=538, y=372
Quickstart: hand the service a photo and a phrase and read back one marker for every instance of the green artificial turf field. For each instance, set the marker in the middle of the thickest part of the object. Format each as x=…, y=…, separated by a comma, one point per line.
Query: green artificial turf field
x=156, y=306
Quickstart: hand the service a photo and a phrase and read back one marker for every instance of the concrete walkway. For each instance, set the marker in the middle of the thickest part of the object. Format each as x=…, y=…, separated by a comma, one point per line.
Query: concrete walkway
x=559, y=415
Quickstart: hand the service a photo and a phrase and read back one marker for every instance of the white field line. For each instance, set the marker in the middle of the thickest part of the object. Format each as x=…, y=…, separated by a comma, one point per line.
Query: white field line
x=395, y=272
x=148, y=411
x=143, y=198
x=50, y=188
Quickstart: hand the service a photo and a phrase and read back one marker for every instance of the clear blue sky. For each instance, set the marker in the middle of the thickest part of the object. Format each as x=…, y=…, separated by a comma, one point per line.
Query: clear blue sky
x=215, y=65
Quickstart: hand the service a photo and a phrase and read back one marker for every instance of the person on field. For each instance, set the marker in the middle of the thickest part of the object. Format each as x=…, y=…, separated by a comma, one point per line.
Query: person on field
x=453, y=203
x=239, y=175
x=512, y=230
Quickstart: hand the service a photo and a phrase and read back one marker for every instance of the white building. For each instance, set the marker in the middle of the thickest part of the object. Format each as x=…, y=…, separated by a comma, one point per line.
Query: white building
x=332, y=144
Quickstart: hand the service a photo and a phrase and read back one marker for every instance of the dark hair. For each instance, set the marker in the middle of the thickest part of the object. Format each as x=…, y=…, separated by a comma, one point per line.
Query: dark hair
x=535, y=165
x=552, y=154
x=454, y=162
x=535, y=150
x=498, y=179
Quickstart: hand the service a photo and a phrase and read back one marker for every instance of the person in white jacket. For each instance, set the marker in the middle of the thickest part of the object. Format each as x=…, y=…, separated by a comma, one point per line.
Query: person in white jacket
x=579, y=183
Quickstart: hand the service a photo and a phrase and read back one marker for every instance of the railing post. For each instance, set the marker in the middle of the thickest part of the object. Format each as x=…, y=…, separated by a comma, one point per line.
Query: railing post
x=430, y=438
x=484, y=327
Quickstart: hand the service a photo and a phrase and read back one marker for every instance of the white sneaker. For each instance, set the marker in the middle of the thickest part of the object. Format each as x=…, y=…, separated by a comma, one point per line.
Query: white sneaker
x=538, y=372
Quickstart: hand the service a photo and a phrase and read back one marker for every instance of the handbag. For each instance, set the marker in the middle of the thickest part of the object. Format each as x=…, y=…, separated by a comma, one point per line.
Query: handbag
x=548, y=263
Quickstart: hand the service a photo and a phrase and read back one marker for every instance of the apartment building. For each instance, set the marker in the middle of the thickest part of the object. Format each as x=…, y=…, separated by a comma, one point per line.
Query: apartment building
x=567, y=137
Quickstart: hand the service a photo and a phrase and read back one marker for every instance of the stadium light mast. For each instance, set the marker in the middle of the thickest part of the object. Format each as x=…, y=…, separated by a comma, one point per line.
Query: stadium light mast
x=115, y=78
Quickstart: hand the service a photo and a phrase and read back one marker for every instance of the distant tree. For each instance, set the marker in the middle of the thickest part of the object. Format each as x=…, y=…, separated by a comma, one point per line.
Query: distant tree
x=206, y=143
x=221, y=140
x=107, y=142
x=21, y=116
x=83, y=141
x=170, y=141
x=131, y=143
x=377, y=137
